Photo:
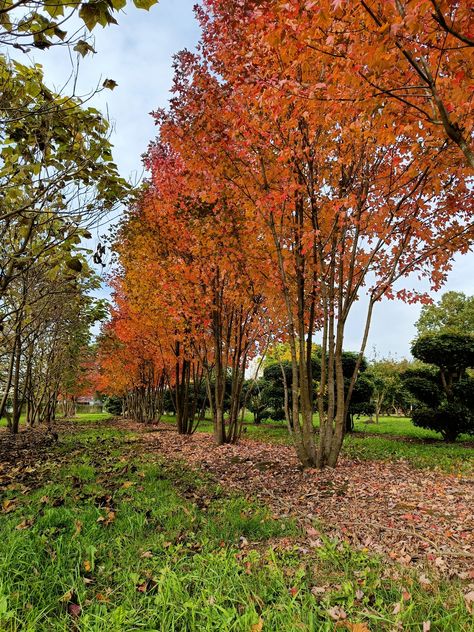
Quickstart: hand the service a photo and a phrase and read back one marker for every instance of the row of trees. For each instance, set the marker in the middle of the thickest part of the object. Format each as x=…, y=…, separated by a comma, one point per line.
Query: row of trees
x=58, y=182
x=311, y=152
x=436, y=389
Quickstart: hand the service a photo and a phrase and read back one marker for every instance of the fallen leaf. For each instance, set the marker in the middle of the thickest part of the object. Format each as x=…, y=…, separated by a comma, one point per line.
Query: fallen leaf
x=67, y=596
x=87, y=566
x=147, y=585
x=103, y=598
x=337, y=613
x=318, y=590
x=354, y=627
x=8, y=505
x=257, y=627
x=426, y=626
x=424, y=581
x=469, y=599
x=74, y=609
x=24, y=524
x=78, y=525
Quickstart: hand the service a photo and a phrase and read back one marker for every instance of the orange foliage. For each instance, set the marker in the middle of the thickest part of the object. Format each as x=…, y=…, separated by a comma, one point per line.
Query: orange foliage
x=311, y=150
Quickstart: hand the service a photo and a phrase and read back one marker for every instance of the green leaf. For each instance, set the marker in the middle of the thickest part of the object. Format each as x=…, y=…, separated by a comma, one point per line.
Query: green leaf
x=144, y=4
x=74, y=264
x=89, y=14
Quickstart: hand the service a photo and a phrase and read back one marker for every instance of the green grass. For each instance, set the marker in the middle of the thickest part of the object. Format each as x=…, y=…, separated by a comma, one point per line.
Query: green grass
x=449, y=458
x=80, y=417
x=401, y=426
x=92, y=417
x=114, y=540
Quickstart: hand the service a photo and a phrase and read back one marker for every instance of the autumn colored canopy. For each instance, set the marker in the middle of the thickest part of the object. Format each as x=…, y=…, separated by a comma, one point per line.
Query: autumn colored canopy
x=313, y=152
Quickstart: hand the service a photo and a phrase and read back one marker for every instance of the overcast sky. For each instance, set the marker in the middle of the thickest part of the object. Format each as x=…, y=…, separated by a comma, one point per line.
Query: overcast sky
x=137, y=54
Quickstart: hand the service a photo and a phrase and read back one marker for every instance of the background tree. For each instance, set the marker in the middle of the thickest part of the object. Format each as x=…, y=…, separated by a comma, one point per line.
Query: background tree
x=42, y=23
x=453, y=313
x=388, y=389
x=445, y=395
x=47, y=317
x=256, y=399
x=361, y=400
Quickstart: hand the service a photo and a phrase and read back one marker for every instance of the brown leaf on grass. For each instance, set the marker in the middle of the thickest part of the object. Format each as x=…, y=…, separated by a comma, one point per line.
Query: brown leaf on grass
x=147, y=555
x=67, y=596
x=318, y=590
x=87, y=566
x=78, y=528
x=128, y=484
x=24, y=524
x=103, y=598
x=257, y=627
x=337, y=613
x=424, y=581
x=312, y=532
x=469, y=600
x=8, y=505
x=352, y=627
x=106, y=520
x=147, y=585
x=74, y=609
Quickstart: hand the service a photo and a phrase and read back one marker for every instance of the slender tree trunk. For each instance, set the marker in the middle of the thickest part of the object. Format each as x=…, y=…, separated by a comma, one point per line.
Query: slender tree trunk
x=16, y=392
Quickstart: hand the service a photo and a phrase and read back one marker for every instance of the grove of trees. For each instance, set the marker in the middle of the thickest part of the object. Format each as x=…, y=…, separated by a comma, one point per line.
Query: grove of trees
x=312, y=153
x=58, y=181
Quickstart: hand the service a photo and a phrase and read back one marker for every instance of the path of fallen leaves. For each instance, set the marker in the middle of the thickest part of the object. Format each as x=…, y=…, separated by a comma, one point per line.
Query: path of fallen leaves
x=413, y=516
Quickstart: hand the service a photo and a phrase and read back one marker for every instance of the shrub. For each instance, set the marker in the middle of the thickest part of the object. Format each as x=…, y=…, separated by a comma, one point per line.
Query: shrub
x=445, y=396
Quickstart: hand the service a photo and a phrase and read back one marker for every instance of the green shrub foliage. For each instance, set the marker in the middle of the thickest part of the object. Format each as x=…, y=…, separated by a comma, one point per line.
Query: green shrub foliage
x=444, y=392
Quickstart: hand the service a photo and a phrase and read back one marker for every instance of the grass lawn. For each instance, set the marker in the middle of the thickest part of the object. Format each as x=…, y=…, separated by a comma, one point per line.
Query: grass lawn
x=80, y=417
x=103, y=536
